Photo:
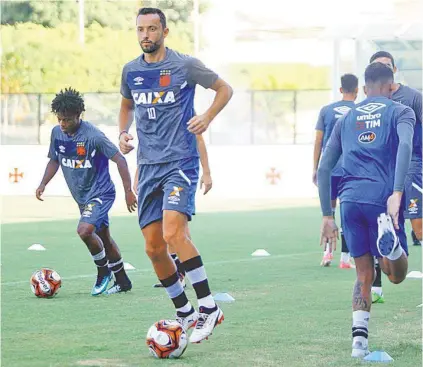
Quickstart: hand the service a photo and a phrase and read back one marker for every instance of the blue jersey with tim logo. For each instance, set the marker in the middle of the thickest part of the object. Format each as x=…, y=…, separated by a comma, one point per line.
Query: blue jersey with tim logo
x=84, y=158
x=369, y=148
x=163, y=96
x=326, y=122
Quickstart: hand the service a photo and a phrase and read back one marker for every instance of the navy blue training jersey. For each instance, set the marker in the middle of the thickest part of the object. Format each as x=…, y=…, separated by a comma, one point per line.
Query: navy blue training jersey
x=326, y=122
x=163, y=95
x=369, y=141
x=413, y=98
x=84, y=158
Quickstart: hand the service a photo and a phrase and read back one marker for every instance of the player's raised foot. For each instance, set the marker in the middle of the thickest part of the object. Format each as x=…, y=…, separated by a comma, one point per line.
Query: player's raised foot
x=101, y=283
x=181, y=278
x=208, y=319
x=387, y=240
x=327, y=259
x=416, y=242
x=119, y=288
x=377, y=298
x=187, y=320
x=360, y=348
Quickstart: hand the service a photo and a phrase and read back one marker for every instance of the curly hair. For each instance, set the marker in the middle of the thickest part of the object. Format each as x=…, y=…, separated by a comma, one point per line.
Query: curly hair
x=68, y=102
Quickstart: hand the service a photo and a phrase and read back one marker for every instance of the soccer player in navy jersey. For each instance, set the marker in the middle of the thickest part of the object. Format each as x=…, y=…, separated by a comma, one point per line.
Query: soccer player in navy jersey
x=328, y=116
x=158, y=87
x=375, y=139
x=413, y=182
x=83, y=152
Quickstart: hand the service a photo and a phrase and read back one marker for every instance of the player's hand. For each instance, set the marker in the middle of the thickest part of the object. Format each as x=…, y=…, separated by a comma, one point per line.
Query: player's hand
x=206, y=180
x=131, y=201
x=40, y=191
x=198, y=124
x=314, y=177
x=124, y=145
x=393, y=207
x=329, y=232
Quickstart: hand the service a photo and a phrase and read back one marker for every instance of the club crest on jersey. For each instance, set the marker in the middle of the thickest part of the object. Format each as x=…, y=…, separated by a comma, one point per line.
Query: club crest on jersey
x=149, y=98
x=165, y=78
x=371, y=107
x=367, y=137
x=80, y=148
x=76, y=163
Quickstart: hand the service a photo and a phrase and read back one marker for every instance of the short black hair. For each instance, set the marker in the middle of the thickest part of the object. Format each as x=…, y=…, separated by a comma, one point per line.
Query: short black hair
x=349, y=83
x=68, y=102
x=145, y=11
x=380, y=54
x=378, y=72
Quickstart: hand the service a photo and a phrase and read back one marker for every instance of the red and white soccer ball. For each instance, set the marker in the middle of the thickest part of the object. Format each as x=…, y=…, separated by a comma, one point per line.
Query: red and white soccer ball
x=167, y=339
x=45, y=283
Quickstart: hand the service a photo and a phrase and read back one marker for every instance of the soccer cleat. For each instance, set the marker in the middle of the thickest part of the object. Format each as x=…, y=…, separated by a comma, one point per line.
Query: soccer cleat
x=119, y=288
x=189, y=321
x=101, y=283
x=181, y=278
x=205, y=324
x=327, y=259
x=377, y=298
x=359, y=349
x=416, y=242
x=387, y=240
x=346, y=265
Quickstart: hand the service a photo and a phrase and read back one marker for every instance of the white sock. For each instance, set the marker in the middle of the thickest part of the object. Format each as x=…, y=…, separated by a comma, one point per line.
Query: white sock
x=360, y=326
x=328, y=250
x=207, y=302
x=396, y=254
x=345, y=257
x=185, y=309
x=377, y=290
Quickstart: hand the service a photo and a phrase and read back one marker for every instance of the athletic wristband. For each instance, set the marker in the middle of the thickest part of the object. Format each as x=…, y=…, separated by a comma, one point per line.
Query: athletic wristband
x=124, y=131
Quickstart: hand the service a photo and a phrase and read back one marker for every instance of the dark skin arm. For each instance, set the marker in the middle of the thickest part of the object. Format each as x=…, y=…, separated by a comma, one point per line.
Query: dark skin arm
x=51, y=169
x=131, y=201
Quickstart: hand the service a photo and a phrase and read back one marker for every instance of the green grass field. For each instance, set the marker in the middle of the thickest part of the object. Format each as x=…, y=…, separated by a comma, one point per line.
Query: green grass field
x=288, y=310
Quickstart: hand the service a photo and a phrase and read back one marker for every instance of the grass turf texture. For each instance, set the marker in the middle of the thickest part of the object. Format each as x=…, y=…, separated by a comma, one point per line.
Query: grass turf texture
x=288, y=310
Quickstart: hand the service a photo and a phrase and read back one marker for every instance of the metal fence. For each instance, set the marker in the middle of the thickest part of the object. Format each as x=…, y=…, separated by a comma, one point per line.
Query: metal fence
x=252, y=117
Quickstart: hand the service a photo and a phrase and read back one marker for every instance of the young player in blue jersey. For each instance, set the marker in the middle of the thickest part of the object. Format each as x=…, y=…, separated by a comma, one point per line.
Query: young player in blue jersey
x=375, y=139
x=327, y=118
x=83, y=152
x=158, y=87
x=413, y=182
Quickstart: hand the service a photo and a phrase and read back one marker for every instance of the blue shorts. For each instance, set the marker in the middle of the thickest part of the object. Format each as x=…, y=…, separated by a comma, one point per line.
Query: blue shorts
x=96, y=211
x=413, y=196
x=360, y=228
x=334, y=187
x=167, y=186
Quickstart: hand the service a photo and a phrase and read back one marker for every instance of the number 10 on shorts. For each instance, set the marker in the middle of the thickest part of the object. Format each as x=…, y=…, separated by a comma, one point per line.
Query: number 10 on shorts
x=151, y=113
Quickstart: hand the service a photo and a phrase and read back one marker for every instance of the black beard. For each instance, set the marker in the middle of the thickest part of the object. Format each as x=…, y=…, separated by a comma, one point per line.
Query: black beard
x=152, y=47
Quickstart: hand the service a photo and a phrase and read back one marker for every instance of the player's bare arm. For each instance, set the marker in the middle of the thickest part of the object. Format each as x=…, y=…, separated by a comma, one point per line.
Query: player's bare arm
x=206, y=179
x=51, y=169
x=317, y=152
x=131, y=200
x=126, y=116
x=135, y=184
x=199, y=124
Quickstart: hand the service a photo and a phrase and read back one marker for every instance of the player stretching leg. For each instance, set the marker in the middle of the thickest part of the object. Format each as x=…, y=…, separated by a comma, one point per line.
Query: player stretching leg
x=83, y=152
x=327, y=118
x=375, y=139
x=159, y=87
x=413, y=182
